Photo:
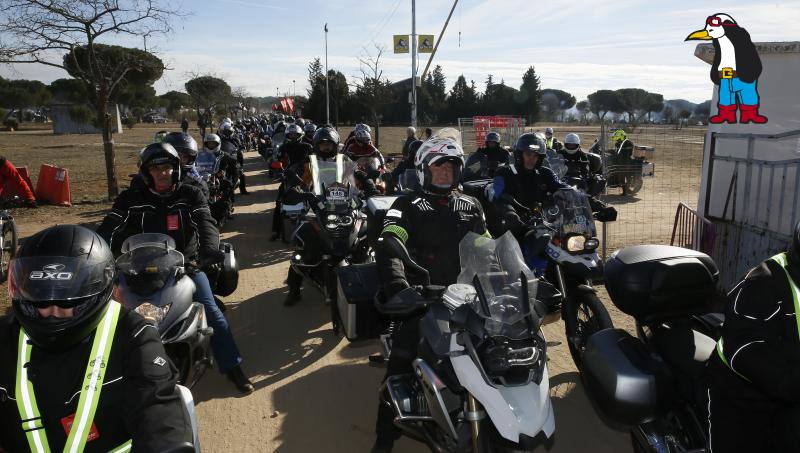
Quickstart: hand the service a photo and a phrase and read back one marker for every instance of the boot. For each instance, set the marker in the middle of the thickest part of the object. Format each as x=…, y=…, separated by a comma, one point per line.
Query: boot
x=293, y=297
x=750, y=114
x=236, y=375
x=727, y=114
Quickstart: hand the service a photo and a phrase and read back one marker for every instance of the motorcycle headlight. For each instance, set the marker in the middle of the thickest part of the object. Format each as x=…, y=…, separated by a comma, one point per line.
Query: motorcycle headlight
x=152, y=314
x=345, y=220
x=332, y=218
x=576, y=243
x=591, y=244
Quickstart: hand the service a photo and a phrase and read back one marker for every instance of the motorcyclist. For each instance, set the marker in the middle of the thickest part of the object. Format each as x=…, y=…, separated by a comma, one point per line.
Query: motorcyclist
x=362, y=146
x=528, y=183
x=754, y=398
x=406, y=164
x=308, y=133
x=233, y=146
x=180, y=211
x=352, y=136
x=550, y=140
x=186, y=147
x=46, y=348
x=294, y=150
x=486, y=159
x=228, y=176
x=584, y=170
x=430, y=222
x=623, y=146
x=264, y=139
x=299, y=188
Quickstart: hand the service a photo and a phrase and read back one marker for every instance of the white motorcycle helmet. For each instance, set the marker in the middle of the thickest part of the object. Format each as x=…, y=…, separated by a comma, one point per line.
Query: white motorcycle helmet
x=437, y=150
x=212, y=138
x=572, y=143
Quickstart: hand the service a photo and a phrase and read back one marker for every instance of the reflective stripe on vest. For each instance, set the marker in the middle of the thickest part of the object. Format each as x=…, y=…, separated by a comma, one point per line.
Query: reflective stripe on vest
x=90, y=389
x=795, y=290
x=315, y=172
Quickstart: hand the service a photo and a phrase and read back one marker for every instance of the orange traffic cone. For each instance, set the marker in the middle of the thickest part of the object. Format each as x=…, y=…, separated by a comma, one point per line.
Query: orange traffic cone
x=53, y=186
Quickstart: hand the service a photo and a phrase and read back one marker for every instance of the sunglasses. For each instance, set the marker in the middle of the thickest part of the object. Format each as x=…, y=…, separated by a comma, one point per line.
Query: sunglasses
x=715, y=21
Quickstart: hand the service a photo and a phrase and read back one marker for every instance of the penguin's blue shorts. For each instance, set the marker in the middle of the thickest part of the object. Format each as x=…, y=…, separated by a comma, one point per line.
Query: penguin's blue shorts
x=729, y=89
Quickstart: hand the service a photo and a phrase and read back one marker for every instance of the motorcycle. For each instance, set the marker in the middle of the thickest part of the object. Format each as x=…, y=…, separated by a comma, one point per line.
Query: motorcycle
x=480, y=380
x=220, y=189
x=332, y=233
x=560, y=247
x=152, y=281
x=655, y=383
x=8, y=242
x=276, y=164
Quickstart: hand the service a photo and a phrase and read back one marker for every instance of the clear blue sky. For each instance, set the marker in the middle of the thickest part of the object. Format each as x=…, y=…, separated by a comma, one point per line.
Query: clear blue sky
x=576, y=45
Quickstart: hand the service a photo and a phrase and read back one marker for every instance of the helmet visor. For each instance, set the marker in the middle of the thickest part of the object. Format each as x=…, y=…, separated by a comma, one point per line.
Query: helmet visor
x=45, y=280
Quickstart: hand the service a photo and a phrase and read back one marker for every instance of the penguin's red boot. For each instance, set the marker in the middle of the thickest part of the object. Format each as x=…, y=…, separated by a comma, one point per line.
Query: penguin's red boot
x=727, y=114
x=750, y=114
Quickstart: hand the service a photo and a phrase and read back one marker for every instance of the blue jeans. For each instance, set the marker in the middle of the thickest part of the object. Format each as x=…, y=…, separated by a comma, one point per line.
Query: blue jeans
x=225, y=351
x=730, y=88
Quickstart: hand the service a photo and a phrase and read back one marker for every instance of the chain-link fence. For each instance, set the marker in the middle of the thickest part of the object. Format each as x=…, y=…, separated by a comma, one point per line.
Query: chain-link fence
x=646, y=191
x=474, y=130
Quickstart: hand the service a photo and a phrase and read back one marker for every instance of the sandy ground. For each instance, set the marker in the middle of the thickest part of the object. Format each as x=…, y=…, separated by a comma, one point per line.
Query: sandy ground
x=316, y=392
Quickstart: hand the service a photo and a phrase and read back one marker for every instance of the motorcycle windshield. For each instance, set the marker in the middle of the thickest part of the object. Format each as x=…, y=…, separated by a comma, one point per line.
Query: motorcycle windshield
x=497, y=269
x=278, y=139
x=206, y=163
x=148, y=267
x=408, y=181
x=556, y=162
x=368, y=163
x=325, y=173
x=476, y=167
x=571, y=213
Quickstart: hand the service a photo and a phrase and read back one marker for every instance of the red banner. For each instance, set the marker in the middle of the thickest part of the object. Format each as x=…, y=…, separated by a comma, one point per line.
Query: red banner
x=290, y=101
x=485, y=124
x=284, y=105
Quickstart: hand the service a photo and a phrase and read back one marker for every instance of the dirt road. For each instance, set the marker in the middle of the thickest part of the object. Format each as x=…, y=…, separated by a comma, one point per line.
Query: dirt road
x=316, y=392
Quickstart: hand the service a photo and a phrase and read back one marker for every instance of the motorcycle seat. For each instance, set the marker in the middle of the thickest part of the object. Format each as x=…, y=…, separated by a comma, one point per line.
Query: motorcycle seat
x=684, y=348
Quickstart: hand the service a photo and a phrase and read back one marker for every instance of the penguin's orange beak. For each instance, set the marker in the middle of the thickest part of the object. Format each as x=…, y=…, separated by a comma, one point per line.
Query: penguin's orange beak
x=699, y=35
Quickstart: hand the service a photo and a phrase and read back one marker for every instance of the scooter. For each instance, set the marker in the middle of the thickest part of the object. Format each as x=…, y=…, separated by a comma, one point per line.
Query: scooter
x=152, y=281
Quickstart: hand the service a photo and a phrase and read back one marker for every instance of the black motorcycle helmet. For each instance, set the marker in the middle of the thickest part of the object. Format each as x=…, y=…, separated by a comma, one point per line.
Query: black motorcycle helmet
x=66, y=265
x=492, y=137
x=300, y=122
x=156, y=154
x=529, y=142
x=184, y=144
x=326, y=134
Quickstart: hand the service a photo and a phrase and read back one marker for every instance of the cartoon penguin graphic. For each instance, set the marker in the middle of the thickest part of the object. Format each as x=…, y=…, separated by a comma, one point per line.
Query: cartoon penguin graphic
x=736, y=69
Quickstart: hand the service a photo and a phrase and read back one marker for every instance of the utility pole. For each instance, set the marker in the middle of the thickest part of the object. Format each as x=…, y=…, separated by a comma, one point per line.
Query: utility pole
x=294, y=89
x=327, y=86
x=413, y=63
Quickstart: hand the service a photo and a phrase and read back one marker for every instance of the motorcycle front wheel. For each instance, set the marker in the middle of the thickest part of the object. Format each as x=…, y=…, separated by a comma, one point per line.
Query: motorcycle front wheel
x=9, y=247
x=632, y=185
x=584, y=315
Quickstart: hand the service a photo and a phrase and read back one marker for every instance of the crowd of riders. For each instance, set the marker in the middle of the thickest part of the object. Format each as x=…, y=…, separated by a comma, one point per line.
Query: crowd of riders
x=64, y=313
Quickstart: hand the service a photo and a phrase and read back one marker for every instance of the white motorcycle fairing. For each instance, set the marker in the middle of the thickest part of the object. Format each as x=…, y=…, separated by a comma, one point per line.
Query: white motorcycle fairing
x=513, y=410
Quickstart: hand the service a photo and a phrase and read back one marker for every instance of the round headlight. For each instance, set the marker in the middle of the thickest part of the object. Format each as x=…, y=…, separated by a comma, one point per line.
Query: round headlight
x=332, y=218
x=331, y=226
x=576, y=243
x=591, y=244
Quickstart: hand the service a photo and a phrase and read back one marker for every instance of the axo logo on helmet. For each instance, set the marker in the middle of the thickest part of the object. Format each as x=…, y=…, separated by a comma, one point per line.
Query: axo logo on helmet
x=51, y=272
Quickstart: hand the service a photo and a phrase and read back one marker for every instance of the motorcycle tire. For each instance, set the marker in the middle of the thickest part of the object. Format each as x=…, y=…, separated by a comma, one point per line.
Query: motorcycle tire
x=9, y=247
x=584, y=314
x=632, y=185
